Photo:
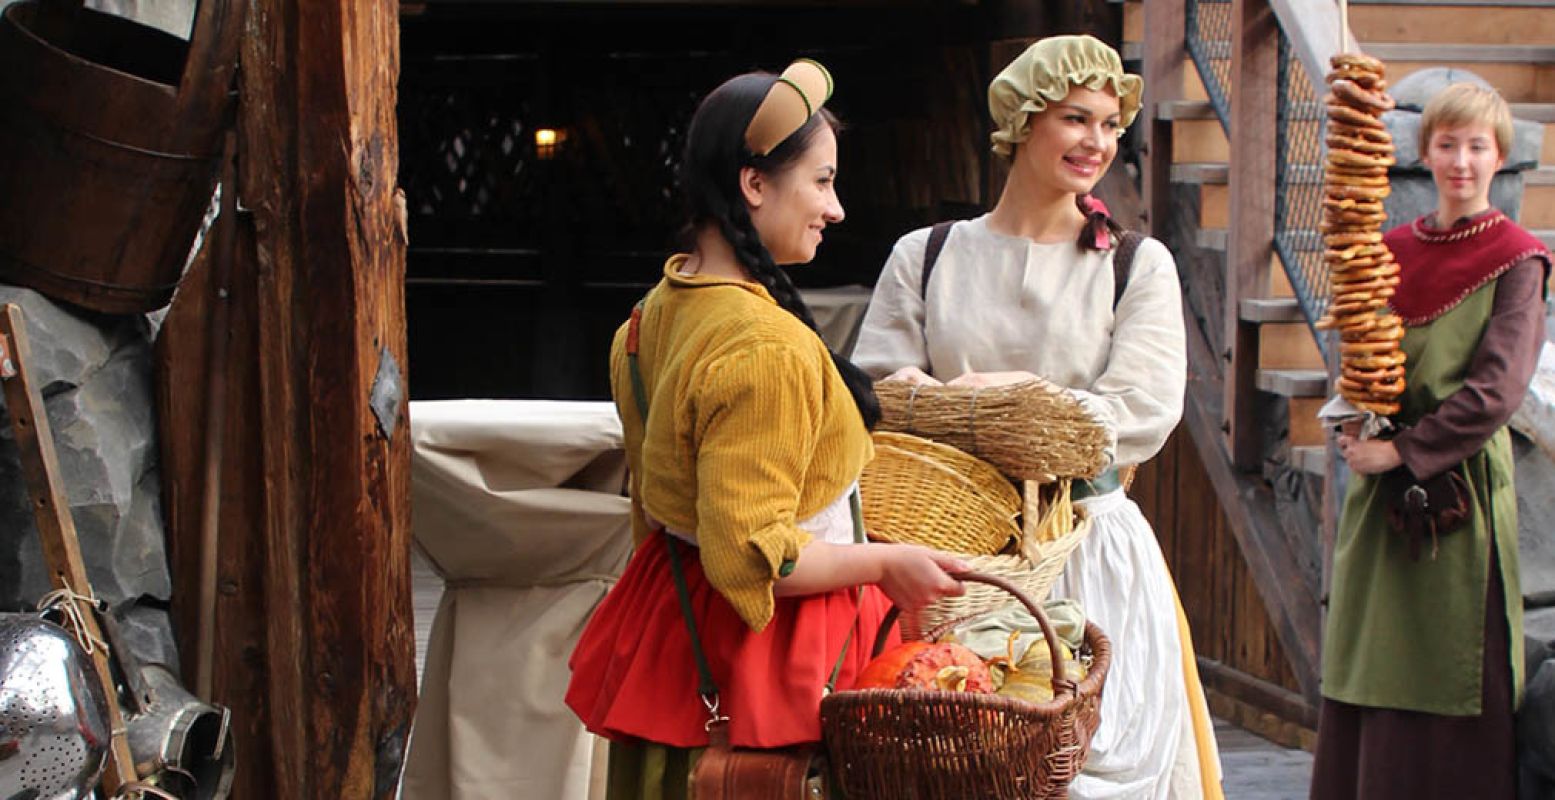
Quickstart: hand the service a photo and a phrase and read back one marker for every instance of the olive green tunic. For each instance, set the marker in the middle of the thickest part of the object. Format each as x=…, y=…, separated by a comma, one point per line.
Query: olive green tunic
x=1410, y=634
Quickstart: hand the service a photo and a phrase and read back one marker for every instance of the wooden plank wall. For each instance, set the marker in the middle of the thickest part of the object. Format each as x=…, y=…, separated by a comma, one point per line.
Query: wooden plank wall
x=1230, y=626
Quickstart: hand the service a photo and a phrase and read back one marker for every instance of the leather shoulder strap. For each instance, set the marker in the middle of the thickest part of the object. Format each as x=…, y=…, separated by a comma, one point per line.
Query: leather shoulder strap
x=1122, y=263
x=937, y=236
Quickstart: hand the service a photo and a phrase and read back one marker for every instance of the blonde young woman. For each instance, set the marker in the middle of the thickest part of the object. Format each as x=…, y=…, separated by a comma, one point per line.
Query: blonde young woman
x=1028, y=292
x=1422, y=656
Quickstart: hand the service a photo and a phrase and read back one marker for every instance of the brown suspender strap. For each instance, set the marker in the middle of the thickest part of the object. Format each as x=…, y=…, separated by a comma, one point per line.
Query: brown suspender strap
x=937, y=236
x=1123, y=263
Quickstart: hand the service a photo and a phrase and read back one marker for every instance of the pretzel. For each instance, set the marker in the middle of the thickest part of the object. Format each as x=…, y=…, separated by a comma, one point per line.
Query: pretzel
x=1337, y=110
x=1367, y=348
x=1364, y=274
x=1362, y=78
x=1345, y=272
x=1342, y=240
x=1374, y=376
x=1353, y=251
x=1351, y=158
x=1387, y=390
x=1366, y=132
x=1382, y=333
x=1358, y=144
x=1374, y=172
x=1357, y=192
x=1344, y=293
x=1349, y=220
x=1377, y=361
x=1349, y=91
x=1340, y=309
x=1358, y=61
x=1352, y=204
x=1367, y=180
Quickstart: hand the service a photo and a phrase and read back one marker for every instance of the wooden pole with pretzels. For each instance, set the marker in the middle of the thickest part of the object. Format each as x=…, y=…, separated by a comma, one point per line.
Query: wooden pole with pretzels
x=56, y=528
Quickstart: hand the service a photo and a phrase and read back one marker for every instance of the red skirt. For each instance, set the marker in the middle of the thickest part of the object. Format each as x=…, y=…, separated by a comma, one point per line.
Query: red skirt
x=634, y=676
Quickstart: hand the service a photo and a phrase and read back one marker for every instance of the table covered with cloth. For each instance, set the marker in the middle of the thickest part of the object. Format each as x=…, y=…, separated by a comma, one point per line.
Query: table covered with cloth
x=518, y=505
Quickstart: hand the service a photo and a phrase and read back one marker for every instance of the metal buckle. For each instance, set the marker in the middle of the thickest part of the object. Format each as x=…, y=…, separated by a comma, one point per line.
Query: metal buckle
x=1415, y=497
x=713, y=717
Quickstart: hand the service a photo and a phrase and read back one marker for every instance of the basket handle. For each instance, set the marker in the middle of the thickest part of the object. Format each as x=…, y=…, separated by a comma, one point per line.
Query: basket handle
x=1061, y=681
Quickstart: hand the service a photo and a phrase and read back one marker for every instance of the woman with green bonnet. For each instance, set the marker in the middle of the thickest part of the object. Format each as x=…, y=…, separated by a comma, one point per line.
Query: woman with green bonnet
x=1047, y=287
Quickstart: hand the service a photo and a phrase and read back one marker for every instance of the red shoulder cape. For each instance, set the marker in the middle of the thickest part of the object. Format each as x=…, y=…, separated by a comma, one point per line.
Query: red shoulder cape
x=1439, y=268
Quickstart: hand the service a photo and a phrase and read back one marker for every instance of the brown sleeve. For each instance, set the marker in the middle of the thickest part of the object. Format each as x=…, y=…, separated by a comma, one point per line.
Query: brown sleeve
x=1497, y=379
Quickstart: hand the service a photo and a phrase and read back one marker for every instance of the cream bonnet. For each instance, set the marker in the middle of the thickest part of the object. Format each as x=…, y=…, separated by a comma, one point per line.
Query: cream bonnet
x=1045, y=73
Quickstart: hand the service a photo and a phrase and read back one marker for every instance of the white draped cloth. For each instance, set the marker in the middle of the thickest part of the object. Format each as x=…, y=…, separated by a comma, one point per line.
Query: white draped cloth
x=1001, y=303
x=518, y=505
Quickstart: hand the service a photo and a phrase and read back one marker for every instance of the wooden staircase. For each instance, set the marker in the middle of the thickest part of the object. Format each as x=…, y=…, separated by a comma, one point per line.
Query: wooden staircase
x=1257, y=373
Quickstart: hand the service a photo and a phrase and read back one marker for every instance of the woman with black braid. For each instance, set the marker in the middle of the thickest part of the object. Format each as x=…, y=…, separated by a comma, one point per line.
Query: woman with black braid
x=745, y=437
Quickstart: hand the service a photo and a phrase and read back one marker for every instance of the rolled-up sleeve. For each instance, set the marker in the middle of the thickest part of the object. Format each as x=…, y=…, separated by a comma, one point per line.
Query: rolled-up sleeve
x=755, y=417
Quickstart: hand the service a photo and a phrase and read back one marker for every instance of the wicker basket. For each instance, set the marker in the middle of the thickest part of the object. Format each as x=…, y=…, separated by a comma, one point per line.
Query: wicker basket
x=888, y=744
x=921, y=492
x=1033, y=573
x=1030, y=430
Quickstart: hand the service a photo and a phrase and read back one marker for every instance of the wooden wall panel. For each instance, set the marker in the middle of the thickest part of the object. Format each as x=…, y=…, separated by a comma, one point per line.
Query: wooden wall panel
x=1228, y=619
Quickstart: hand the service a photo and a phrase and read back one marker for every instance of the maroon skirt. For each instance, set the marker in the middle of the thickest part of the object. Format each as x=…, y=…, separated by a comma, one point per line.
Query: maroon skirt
x=1366, y=753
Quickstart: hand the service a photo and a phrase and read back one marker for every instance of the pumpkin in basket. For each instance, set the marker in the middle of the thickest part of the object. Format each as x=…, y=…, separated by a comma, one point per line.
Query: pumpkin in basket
x=1031, y=678
x=920, y=665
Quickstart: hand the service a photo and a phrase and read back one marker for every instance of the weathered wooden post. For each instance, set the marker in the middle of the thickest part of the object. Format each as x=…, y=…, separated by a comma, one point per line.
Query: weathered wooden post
x=315, y=651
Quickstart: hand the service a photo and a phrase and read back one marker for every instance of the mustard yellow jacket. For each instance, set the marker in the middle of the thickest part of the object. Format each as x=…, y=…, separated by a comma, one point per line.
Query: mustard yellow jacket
x=749, y=429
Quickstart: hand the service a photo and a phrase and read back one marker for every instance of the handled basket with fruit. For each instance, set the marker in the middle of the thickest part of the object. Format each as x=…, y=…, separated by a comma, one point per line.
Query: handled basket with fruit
x=960, y=739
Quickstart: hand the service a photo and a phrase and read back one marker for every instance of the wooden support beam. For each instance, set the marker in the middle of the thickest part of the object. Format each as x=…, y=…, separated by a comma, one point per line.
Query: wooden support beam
x=1165, y=55
x=1250, y=242
x=315, y=650
x=1255, y=691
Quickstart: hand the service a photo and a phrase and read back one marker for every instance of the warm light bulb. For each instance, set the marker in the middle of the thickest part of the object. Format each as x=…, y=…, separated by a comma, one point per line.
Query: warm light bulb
x=545, y=137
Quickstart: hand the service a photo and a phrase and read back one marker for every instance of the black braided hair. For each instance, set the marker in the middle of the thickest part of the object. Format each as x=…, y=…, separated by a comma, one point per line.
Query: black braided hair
x=710, y=186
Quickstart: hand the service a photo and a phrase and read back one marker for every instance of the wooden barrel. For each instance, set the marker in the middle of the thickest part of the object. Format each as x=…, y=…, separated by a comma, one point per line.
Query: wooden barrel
x=109, y=143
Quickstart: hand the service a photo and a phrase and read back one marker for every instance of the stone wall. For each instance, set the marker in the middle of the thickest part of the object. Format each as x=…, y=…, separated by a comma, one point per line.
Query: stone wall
x=95, y=374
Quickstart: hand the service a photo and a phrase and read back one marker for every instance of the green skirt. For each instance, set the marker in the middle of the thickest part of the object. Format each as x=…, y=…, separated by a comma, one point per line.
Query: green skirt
x=647, y=771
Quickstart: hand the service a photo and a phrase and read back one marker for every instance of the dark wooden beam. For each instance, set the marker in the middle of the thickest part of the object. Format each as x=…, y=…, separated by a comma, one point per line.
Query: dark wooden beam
x=1165, y=56
x=315, y=651
x=1257, y=692
x=1250, y=242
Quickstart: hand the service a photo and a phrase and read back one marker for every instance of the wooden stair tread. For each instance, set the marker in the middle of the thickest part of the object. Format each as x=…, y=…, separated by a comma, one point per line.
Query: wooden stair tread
x=1185, y=109
x=1478, y=53
x=1294, y=382
x=1270, y=309
x=1534, y=112
x=1200, y=172
x=1310, y=458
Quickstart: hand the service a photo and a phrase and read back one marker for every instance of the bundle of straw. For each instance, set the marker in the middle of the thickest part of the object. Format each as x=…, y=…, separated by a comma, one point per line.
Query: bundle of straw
x=1030, y=430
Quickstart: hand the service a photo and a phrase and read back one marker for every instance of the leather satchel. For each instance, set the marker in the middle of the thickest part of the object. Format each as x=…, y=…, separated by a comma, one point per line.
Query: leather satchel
x=726, y=773
x=1434, y=507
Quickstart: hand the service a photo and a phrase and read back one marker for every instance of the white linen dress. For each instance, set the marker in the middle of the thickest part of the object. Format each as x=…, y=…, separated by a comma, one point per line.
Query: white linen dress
x=998, y=303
